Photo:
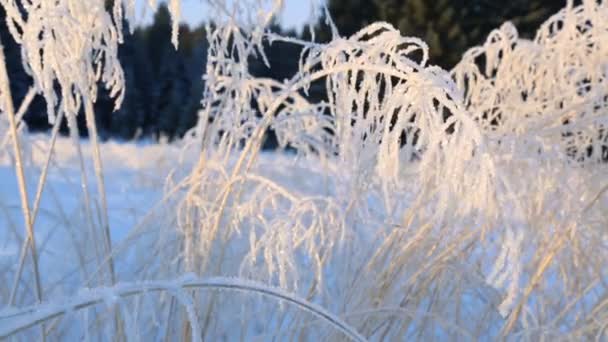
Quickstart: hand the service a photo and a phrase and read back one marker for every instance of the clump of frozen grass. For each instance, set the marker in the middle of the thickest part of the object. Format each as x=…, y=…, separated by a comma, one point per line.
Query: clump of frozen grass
x=542, y=106
x=388, y=158
x=416, y=198
x=429, y=172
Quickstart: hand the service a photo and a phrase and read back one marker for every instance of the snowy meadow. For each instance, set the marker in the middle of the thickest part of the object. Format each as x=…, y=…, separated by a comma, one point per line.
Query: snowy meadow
x=414, y=203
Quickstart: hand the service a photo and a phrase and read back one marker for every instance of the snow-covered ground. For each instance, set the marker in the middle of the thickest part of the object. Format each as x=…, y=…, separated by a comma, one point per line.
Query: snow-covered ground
x=134, y=178
x=319, y=209
x=137, y=176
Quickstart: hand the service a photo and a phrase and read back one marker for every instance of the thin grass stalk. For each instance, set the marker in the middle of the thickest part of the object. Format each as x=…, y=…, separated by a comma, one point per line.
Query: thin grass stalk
x=25, y=104
x=75, y=136
x=92, y=127
x=544, y=264
x=167, y=338
x=36, y=207
x=41, y=314
x=103, y=217
x=19, y=169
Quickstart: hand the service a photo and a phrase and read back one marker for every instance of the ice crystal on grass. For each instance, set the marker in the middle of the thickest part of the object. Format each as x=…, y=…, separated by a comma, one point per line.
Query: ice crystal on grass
x=73, y=43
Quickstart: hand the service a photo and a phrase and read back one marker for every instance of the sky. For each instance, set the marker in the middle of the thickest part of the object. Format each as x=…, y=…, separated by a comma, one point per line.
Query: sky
x=294, y=15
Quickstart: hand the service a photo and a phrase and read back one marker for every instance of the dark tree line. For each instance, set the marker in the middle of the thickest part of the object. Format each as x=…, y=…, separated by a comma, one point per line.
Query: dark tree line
x=164, y=86
x=449, y=27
